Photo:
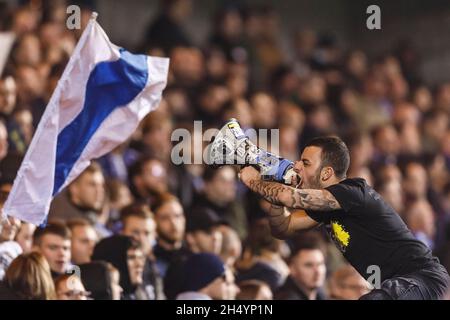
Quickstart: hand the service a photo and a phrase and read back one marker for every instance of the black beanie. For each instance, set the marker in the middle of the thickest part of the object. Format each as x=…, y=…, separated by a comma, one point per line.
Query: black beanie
x=202, y=269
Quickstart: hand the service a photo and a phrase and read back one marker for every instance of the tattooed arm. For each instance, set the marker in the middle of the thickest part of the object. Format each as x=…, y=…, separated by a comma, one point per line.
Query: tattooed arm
x=282, y=195
x=284, y=224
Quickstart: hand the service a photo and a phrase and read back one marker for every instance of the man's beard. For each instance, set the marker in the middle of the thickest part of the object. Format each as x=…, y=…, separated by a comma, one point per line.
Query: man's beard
x=88, y=207
x=169, y=240
x=316, y=181
x=152, y=193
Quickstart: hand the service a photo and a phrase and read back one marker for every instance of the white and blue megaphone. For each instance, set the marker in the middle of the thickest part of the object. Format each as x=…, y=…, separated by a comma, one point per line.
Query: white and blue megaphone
x=232, y=147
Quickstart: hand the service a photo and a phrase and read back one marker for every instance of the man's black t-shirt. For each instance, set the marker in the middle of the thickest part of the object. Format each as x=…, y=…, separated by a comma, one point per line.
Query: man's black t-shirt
x=370, y=233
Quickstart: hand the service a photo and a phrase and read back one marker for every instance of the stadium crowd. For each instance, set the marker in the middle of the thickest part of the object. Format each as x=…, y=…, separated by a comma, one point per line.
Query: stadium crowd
x=136, y=226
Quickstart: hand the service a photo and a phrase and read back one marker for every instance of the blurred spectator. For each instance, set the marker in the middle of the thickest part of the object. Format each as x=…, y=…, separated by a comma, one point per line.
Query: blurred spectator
x=125, y=254
x=240, y=110
x=387, y=144
x=27, y=51
x=4, y=144
x=20, y=130
x=115, y=163
x=70, y=287
x=443, y=97
x=264, y=110
x=156, y=131
x=312, y=92
x=53, y=242
x=423, y=98
x=138, y=223
x=9, y=228
x=8, y=95
x=392, y=193
x=187, y=67
x=211, y=103
x=208, y=279
x=83, y=240
x=231, y=248
x=361, y=152
x=261, y=259
x=101, y=279
x=25, y=20
x=148, y=179
x=347, y=284
x=291, y=115
x=356, y=65
x=228, y=33
x=289, y=142
x=9, y=250
x=170, y=227
x=420, y=220
x=254, y=290
x=437, y=172
x=24, y=236
x=267, y=44
x=202, y=231
x=219, y=195
x=307, y=275
x=304, y=43
x=202, y=236
x=119, y=196
x=435, y=124
x=388, y=172
x=166, y=31
x=83, y=198
x=415, y=182
x=28, y=278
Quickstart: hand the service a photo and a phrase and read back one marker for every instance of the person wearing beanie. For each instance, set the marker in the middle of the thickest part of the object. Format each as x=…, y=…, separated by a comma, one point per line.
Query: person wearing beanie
x=202, y=236
x=209, y=279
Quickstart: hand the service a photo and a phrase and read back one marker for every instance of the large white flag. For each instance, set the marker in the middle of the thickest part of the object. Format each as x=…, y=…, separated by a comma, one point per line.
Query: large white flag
x=102, y=95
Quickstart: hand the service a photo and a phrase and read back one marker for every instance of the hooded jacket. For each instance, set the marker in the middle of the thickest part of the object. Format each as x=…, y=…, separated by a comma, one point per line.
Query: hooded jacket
x=114, y=250
x=97, y=279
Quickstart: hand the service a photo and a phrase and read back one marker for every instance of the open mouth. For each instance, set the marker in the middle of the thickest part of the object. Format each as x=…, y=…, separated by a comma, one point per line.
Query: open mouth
x=300, y=182
x=61, y=264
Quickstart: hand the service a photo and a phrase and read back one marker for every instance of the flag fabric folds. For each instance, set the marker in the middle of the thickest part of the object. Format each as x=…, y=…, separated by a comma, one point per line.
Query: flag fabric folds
x=98, y=103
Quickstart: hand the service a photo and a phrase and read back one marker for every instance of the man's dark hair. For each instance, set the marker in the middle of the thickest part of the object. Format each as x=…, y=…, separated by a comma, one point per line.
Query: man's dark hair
x=137, y=168
x=55, y=228
x=94, y=167
x=78, y=222
x=161, y=200
x=307, y=246
x=139, y=210
x=334, y=154
x=210, y=173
